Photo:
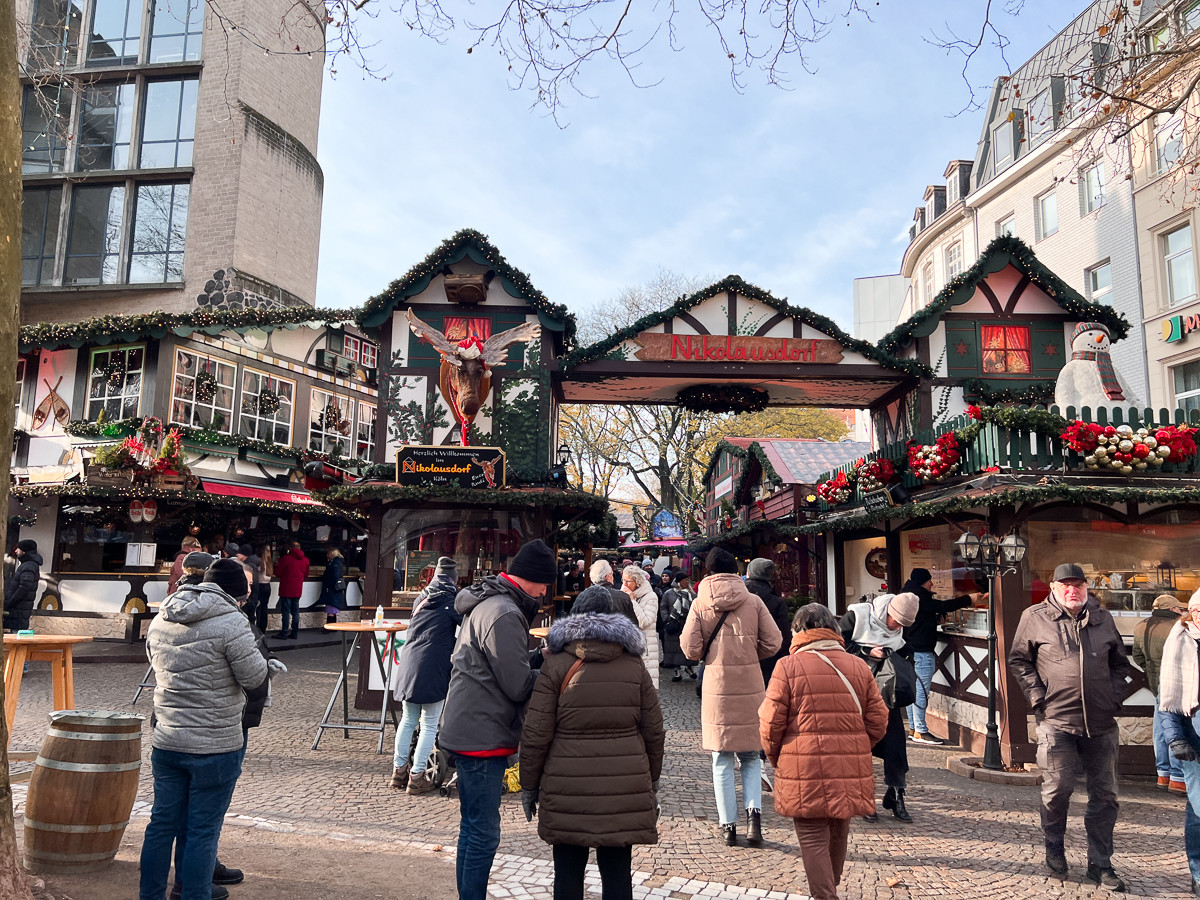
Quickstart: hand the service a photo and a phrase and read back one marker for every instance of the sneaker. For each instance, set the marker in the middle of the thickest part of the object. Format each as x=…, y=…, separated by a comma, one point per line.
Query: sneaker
x=1104, y=875
x=421, y=782
x=924, y=737
x=1056, y=861
x=222, y=874
x=400, y=777
x=1177, y=787
x=677, y=677
x=218, y=892
x=1164, y=782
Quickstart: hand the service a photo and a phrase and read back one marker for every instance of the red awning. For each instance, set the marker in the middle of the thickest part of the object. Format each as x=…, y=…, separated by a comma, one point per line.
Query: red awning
x=279, y=495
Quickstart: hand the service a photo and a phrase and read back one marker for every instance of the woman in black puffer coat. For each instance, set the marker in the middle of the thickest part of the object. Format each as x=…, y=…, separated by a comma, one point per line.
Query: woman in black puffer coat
x=759, y=575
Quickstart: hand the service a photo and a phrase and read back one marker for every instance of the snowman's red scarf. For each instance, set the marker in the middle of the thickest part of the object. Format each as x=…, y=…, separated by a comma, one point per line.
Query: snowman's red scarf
x=1108, y=375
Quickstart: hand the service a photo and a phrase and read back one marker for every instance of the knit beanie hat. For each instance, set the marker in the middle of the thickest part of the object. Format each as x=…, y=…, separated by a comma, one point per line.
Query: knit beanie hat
x=231, y=549
x=446, y=566
x=903, y=608
x=596, y=599
x=535, y=562
x=920, y=576
x=245, y=550
x=760, y=569
x=27, y=546
x=720, y=562
x=229, y=576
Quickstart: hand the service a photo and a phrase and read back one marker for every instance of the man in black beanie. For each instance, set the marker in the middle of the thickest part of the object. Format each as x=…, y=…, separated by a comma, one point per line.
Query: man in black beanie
x=21, y=590
x=490, y=683
x=720, y=562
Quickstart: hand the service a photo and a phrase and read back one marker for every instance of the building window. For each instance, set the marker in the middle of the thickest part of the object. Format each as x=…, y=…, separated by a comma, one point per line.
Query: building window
x=94, y=238
x=1041, y=117
x=1007, y=227
x=1168, y=140
x=360, y=351
x=364, y=430
x=202, y=392
x=1002, y=143
x=1181, y=273
x=1047, y=209
x=1187, y=386
x=1189, y=19
x=267, y=418
x=45, y=128
x=115, y=382
x=1005, y=350
x=952, y=188
x=159, y=231
x=169, y=123
x=115, y=34
x=39, y=233
x=1159, y=38
x=1099, y=280
x=19, y=393
x=931, y=209
x=105, y=127
x=176, y=30
x=329, y=423
x=927, y=282
x=1092, y=182
x=954, y=259
x=54, y=35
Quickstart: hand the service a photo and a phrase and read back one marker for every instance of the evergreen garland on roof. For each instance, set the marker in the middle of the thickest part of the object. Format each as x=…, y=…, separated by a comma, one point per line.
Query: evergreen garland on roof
x=769, y=474
x=452, y=250
x=593, y=508
x=722, y=446
x=734, y=284
x=105, y=330
x=999, y=253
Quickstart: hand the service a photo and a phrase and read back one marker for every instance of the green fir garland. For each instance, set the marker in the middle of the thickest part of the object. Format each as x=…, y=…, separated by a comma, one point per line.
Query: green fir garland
x=723, y=398
x=1038, y=393
x=593, y=508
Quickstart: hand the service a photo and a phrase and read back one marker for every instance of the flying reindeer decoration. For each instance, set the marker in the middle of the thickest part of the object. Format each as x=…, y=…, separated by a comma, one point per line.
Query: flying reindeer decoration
x=465, y=377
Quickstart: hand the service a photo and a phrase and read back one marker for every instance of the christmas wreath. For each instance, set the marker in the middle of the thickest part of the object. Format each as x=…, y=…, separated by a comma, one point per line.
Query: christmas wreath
x=874, y=475
x=836, y=490
x=722, y=398
x=268, y=402
x=150, y=430
x=206, y=387
x=930, y=463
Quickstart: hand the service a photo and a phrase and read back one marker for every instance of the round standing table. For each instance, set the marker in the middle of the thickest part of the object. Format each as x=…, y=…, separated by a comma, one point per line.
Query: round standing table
x=348, y=723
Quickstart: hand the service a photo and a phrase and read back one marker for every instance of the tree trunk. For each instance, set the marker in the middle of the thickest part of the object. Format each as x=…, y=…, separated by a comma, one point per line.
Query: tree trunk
x=12, y=878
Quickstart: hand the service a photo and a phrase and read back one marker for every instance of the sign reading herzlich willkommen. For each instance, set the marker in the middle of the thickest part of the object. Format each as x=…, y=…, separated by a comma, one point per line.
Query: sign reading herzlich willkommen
x=469, y=467
x=735, y=348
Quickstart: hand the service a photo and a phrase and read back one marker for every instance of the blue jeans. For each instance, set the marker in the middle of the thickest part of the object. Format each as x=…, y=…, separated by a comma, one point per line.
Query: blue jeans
x=1191, y=816
x=427, y=714
x=289, y=607
x=925, y=664
x=1163, y=760
x=480, y=780
x=191, y=795
x=725, y=789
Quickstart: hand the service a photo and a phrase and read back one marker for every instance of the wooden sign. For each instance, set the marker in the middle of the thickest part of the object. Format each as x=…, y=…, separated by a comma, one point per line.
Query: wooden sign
x=469, y=467
x=735, y=348
x=880, y=499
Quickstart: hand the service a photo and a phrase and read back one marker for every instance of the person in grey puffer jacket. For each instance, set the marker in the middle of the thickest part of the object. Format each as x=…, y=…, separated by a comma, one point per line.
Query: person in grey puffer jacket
x=490, y=683
x=207, y=667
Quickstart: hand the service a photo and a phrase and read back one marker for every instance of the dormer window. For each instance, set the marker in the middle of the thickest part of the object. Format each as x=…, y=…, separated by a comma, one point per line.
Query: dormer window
x=1003, y=144
x=359, y=350
x=1041, y=117
x=952, y=188
x=930, y=210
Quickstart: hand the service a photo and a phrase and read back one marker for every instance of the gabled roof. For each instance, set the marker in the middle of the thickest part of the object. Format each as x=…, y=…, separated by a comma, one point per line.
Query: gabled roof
x=105, y=330
x=1003, y=251
x=804, y=460
x=733, y=283
x=467, y=244
x=735, y=446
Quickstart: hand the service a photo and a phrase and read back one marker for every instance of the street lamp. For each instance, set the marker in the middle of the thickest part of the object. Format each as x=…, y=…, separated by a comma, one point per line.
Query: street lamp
x=995, y=557
x=558, y=472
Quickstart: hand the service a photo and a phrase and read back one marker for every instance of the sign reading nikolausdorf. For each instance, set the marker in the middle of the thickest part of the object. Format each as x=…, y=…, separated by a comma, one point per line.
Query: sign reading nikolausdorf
x=735, y=348
x=469, y=467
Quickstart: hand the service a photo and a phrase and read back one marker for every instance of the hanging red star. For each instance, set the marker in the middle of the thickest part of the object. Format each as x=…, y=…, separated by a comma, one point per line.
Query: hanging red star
x=961, y=348
x=1050, y=350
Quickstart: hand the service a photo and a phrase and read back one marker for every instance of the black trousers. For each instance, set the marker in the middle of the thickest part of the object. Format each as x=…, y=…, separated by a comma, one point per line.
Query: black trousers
x=893, y=750
x=616, y=872
x=260, y=611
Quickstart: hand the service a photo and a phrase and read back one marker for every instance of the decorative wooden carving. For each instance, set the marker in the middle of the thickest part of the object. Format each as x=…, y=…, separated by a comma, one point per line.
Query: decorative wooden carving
x=466, y=289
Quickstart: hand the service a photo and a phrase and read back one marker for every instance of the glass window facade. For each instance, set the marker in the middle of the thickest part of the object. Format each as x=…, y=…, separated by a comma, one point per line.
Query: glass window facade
x=94, y=242
x=176, y=30
x=1187, y=386
x=169, y=124
x=330, y=421
x=115, y=35
x=39, y=234
x=105, y=126
x=45, y=127
x=1180, y=266
x=159, y=232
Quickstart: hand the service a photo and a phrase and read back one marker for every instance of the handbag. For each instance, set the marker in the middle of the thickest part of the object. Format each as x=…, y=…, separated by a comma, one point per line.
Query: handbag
x=708, y=646
x=896, y=678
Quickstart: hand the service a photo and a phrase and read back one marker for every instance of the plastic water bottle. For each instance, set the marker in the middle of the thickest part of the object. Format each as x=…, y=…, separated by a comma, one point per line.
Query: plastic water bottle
x=379, y=615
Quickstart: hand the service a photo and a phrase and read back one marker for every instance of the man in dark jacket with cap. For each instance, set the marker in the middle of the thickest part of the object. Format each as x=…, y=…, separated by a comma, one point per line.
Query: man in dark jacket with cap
x=490, y=683
x=921, y=637
x=21, y=590
x=1069, y=659
x=759, y=575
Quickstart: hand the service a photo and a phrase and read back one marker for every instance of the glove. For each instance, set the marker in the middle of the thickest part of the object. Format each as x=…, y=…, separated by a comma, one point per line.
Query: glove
x=1183, y=750
x=529, y=801
x=276, y=667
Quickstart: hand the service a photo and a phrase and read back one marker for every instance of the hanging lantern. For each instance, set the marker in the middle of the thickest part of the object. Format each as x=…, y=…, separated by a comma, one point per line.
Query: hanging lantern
x=149, y=510
x=136, y=511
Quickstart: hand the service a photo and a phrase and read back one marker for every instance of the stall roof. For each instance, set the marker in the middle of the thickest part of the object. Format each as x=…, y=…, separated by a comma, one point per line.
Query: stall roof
x=256, y=492
x=804, y=460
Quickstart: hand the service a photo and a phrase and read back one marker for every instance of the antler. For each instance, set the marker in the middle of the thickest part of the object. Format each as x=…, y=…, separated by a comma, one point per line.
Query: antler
x=443, y=345
x=495, y=349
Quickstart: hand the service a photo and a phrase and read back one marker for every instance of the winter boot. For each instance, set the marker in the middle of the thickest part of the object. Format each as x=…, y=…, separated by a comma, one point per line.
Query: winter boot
x=898, y=808
x=730, y=834
x=400, y=777
x=889, y=798
x=754, y=828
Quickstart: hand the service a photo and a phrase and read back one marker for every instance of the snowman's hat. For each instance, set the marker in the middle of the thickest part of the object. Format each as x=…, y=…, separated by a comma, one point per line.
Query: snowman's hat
x=1083, y=327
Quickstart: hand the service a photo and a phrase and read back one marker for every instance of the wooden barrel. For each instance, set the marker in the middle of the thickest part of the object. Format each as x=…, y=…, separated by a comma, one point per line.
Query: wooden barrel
x=82, y=790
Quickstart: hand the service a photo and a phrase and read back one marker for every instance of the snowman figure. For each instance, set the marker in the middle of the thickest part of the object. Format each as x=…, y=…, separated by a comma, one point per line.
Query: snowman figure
x=1089, y=379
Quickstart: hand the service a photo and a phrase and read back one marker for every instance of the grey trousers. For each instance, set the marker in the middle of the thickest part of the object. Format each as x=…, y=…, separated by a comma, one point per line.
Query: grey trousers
x=1062, y=757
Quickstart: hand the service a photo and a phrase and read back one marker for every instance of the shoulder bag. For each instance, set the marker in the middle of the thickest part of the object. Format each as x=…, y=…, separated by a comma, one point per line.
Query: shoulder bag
x=897, y=680
x=704, y=654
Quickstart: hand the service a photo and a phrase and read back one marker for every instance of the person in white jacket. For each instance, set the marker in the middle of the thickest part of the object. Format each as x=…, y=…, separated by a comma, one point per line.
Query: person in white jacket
x=645, y=603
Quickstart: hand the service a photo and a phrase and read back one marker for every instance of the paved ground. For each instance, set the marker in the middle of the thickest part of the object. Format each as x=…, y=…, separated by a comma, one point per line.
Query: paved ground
x=324, y=824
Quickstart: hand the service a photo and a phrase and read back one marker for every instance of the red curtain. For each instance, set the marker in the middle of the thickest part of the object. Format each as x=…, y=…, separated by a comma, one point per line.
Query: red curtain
x=1006, y=350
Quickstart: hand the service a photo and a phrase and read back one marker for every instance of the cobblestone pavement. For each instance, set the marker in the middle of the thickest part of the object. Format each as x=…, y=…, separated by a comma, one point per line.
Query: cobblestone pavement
x=969, y=839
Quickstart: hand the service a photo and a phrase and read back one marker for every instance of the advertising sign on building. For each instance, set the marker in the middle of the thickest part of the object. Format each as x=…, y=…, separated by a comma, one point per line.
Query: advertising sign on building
x=1177, y=328
x=468, y=467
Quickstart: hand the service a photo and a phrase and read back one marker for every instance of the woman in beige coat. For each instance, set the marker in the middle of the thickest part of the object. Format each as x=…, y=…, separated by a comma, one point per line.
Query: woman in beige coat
x=733, y=685
x=645, y=603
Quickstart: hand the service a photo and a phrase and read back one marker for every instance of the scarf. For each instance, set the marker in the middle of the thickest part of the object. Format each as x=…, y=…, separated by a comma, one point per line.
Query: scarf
x=870, y=624
x=1108, y=375
x=817, y=639
x=1179, y=672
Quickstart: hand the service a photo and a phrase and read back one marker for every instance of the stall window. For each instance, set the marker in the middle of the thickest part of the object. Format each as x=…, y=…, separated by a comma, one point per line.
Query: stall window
x=202, y=394
x=115, y=382
x=364, y=443
x=329, y=423
x=360, y=351
x=1006, y=350
x=1187, y=386
x=267, y=404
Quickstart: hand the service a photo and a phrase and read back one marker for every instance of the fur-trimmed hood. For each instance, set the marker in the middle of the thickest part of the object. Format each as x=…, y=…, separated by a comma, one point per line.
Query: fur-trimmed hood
x=606, y=628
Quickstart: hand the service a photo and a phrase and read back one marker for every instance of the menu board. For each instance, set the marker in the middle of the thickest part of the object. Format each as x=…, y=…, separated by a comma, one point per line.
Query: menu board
x=930, y=548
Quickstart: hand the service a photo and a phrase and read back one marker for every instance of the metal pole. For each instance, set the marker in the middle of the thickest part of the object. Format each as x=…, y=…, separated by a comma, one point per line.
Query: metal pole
x=991, y=747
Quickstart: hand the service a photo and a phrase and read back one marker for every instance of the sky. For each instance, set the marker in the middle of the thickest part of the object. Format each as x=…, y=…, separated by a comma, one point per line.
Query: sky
x=797, y=190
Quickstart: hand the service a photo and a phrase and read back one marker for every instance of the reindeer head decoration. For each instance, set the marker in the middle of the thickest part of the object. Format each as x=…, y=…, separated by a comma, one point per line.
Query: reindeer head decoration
x=465, y=376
